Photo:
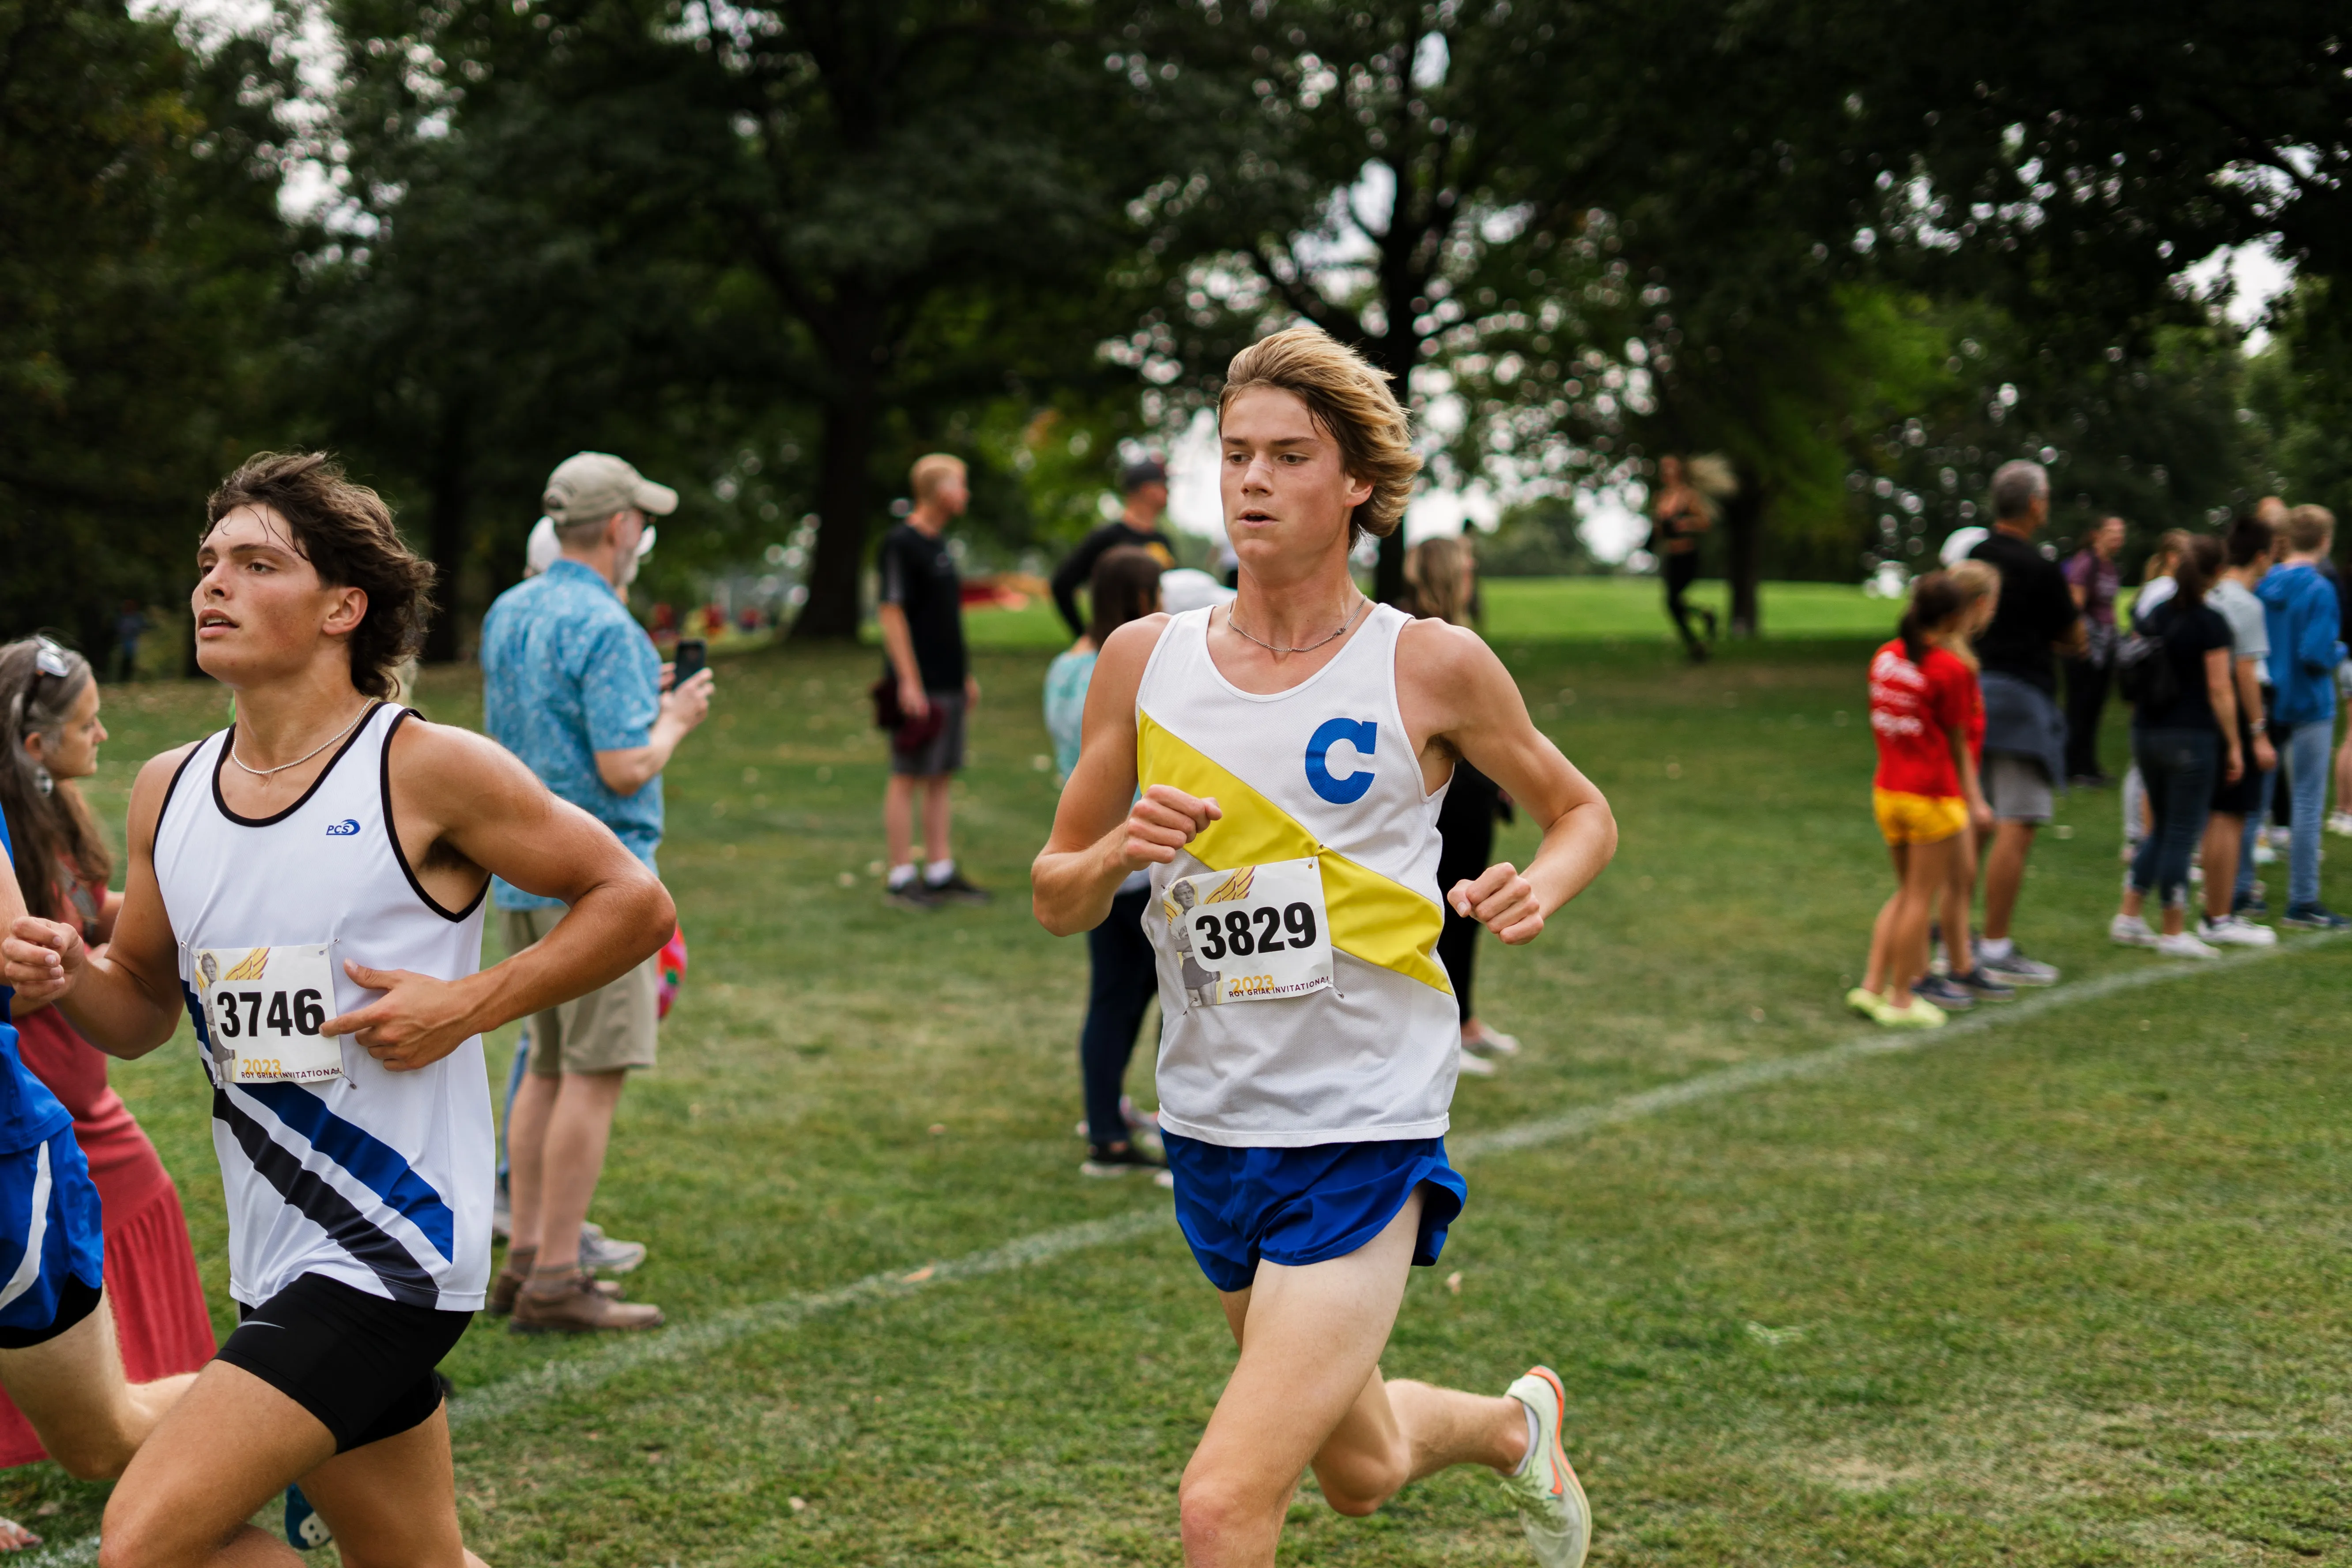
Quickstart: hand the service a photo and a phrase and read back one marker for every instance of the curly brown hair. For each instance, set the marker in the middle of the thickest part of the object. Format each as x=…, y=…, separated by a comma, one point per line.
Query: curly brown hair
x=346, y=533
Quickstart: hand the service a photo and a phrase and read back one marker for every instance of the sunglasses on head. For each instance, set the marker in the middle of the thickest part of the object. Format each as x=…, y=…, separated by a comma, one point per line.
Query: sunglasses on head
x=52, y=657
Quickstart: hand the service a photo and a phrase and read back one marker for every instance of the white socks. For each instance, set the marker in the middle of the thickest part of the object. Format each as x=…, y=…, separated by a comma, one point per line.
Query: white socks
x=1995, y=947
x=902, y=877
x=939, y=871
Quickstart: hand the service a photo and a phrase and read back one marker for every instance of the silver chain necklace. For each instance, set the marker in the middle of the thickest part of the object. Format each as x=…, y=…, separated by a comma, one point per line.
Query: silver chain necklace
x=1232, y=625
x=267, y=773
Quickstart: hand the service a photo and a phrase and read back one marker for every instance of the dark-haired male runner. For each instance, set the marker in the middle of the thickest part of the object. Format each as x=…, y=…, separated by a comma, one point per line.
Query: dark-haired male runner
x=309, y=884
x=1292, y=750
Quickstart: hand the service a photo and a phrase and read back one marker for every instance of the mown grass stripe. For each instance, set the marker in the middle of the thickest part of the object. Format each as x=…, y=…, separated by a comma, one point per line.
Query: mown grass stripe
x=615, y=1358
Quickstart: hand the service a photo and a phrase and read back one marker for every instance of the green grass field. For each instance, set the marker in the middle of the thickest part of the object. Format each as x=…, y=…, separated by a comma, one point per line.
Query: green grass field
x=1556, y=609
x=2067, y=1286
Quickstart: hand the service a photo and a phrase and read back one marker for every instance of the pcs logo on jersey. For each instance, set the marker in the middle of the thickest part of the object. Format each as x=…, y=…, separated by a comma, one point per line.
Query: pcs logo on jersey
x=348, y=827
x=1344, y=788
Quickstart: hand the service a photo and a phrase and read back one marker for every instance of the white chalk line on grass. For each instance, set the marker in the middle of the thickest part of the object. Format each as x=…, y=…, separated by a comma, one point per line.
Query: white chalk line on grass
x=585, y=1372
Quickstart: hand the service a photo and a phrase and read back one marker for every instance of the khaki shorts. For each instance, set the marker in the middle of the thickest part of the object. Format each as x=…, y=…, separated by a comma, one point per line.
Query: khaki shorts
x=604, y=1031
x=2017, y=788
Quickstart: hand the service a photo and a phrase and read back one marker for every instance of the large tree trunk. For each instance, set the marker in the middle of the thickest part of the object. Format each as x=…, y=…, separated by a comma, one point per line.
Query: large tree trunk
x=452, y=532
x=845, y=503
x=1394, y=352
x=1743, y=529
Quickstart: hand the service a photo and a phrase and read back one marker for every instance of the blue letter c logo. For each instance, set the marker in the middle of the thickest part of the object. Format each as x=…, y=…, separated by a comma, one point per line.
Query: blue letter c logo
x=1360, y=733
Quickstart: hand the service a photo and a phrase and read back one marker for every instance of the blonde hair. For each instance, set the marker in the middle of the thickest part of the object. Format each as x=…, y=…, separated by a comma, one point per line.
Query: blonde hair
x=2309, y=529
x=929, y=470
x=1976, y=581
x=1352, y=404
x=1437, y=579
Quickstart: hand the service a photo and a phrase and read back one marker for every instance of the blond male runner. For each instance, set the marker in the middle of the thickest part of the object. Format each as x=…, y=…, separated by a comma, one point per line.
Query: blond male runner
x=1292, y=750
x=309, y=884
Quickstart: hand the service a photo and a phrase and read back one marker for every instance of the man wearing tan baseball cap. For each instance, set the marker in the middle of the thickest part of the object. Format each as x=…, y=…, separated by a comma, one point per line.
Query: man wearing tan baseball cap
x=590, y=487
x=572, y=685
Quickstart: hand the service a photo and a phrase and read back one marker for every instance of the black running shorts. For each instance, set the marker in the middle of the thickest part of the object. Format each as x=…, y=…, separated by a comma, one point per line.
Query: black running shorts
x=361, y=1364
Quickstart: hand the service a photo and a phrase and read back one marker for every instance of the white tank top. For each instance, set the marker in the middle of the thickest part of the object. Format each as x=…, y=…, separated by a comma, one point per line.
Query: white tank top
x=378, y=1179
x=1322, y=773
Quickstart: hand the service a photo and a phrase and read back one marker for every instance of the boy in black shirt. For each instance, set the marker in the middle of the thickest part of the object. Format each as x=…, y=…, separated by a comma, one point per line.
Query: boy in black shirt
x=1145, y=483
x=921, y=615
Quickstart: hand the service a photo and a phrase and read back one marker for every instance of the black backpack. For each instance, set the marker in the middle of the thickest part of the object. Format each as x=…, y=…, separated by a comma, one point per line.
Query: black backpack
x=2143, y=672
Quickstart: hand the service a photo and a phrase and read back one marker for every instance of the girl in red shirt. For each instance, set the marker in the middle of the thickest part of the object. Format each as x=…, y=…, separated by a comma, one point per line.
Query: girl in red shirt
x=1923, y=703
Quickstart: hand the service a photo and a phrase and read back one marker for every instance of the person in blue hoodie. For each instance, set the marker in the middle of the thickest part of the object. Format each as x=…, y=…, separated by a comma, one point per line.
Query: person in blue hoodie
x=2301, y=607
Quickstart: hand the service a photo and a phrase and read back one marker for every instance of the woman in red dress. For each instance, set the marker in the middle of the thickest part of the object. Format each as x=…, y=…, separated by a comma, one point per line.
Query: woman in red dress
x=49, y=736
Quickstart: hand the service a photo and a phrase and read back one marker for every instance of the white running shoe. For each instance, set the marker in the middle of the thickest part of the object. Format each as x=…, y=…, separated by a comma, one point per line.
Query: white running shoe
x=1550, y=1498
x=2340, y=824
x=2131, y=930
x=2235, y=931
x=2183, y=945
x=1475, y=1065
x=1492, y=1043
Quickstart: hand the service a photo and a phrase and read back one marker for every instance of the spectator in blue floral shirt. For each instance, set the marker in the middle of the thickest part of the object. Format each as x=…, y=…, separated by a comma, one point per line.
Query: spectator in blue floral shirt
x=572, y=686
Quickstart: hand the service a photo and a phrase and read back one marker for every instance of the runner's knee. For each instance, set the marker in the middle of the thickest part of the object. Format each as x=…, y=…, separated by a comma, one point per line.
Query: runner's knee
x=1213, y=1507
x=1358, y=1482
x=89, y=1456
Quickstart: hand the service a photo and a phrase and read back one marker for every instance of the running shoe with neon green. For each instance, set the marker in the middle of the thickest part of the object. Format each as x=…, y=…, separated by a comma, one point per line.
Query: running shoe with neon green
x=1549, y=1499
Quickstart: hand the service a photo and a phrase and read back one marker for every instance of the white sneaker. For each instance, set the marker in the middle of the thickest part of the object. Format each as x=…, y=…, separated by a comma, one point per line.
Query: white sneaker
x=2235, y=931
x=2340, y=824
x=2183, y=945
x=1550, y=1498
x=1492, y=1043
x=2263, y=854
x=1477, y=1067
x=2131, y=930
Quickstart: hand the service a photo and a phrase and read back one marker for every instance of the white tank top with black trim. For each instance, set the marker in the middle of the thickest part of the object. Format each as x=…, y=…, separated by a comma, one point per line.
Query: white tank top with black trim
x=381, y=1180
x=1268, y=1036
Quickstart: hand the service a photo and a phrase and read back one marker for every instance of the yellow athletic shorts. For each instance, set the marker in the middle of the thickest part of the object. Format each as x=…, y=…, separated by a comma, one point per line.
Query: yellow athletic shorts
x=1909, y=818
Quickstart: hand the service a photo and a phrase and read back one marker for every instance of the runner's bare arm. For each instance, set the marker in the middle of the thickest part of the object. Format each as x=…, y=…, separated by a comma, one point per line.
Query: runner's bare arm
x=129, y=1001
x=1099, y=837
x=464, y=809
x=1455, y=694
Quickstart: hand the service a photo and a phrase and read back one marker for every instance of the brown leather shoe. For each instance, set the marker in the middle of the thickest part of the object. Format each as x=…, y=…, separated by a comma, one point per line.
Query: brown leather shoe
x=510, y=1279
x=574, y=1304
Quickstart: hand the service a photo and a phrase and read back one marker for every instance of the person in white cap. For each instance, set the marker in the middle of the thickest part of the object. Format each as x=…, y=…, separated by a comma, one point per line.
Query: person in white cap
x=572, y=686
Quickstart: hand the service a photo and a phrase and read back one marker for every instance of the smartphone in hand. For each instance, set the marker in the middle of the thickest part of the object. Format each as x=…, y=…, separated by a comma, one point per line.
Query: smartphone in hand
x=692, y=655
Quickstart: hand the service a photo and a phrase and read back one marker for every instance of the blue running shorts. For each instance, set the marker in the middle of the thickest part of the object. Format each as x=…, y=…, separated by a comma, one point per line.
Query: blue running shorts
x=52, y=1251
x=1296, y=1206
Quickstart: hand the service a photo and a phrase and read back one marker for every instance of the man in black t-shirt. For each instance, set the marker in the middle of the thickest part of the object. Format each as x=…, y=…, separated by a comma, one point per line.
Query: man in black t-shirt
x=2025, y=737
x=1145, y=483
x=921, y=616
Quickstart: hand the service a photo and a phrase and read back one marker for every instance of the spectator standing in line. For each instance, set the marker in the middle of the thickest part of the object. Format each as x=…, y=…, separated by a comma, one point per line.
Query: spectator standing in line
x=921, y=614
x=1144, y=482
x=1124, y=977
x=1964, y=982
x=2187, y=744
x=1440, y=581
x=49, y=702
x=2156, y=586
x=572, y=685
x=2305, y=620
x=1923, y=705
x=2247, y=552
x=2093, y=579
x=2025, y=737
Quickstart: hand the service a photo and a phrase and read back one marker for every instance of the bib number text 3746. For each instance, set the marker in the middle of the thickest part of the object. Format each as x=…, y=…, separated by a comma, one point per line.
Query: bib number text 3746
x=263, y=1006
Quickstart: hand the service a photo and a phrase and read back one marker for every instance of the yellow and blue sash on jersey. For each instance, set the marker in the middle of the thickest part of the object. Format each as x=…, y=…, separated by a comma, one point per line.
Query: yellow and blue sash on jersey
x=1375, y=917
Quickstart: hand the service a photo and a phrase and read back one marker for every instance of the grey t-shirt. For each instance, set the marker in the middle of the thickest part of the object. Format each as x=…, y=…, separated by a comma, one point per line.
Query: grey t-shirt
x=2250, y=636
